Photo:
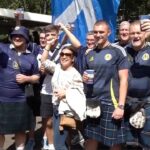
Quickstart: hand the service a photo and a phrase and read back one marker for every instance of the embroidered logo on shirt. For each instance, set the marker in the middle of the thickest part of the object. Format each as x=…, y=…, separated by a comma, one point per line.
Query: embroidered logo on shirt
x=108, y=57
x=145, y=56
x=91, y=58
x=15, y=65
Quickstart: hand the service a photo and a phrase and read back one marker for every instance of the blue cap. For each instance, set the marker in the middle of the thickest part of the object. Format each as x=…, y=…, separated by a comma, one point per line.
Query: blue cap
x=21, y=30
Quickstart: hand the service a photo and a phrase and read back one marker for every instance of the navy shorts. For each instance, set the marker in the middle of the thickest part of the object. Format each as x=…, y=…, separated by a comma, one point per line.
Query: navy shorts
x=46, y=106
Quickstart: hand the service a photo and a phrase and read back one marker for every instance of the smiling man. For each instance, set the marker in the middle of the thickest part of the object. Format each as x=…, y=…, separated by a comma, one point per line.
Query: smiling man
x=18, y=67
x=51, y=52
x=123, y=35
x=139, y=85
x=110, y=66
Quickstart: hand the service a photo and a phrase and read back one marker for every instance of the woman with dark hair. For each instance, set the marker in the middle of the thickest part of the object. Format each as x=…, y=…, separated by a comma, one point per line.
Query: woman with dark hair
x=68, y=96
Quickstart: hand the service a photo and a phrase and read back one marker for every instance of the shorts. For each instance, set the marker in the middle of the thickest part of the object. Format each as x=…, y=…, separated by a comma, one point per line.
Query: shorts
x=46, y=106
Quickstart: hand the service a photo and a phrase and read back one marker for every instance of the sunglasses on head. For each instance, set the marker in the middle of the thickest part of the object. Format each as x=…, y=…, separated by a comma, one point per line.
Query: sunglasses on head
x=66, y=54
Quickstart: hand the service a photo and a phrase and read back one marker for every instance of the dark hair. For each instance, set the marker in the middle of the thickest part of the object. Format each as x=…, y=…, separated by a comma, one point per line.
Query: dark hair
x=52, y=27
x=71, y=48
x=42, y=30
x=99, y=22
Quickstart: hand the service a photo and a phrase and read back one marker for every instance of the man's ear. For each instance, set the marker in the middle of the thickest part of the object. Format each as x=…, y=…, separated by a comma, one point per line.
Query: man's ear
x=109, y=32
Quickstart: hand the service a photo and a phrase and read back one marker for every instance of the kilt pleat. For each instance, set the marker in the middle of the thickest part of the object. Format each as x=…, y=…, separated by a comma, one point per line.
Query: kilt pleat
x=15, y=117
x=105, y=129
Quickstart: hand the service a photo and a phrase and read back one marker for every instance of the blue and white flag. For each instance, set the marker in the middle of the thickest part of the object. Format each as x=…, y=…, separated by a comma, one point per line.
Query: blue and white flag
x=84, y=13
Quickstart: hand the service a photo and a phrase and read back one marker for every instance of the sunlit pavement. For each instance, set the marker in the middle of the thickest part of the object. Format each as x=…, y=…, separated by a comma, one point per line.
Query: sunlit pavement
x=9, y=141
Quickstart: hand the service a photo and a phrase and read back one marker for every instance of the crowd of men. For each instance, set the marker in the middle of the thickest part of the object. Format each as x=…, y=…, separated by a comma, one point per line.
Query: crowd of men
x=121, y=81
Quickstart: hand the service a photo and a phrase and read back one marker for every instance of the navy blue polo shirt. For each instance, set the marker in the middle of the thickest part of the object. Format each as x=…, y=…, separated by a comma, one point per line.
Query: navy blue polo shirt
x=10, y=66
x=106, y=62
x=139, y=79
x=34, y=48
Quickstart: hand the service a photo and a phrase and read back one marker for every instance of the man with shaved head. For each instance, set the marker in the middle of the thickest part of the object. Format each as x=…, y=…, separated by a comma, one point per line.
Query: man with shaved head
x=109, y=89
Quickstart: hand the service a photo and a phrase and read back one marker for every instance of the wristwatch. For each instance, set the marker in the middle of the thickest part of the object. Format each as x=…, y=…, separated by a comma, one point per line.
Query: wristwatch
x=121, y=107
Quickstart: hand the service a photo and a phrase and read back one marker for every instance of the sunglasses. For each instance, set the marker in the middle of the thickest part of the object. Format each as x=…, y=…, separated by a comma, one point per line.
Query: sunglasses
x=66, y=54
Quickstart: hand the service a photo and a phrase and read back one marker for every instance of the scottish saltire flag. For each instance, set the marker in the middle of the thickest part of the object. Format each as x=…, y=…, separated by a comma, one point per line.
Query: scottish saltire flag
x=84, y=13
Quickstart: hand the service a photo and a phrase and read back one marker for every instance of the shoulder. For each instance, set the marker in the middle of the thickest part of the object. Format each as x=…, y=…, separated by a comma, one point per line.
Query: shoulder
x=31, y=57
x=5, y=47
x=76, y=74
x=58, y=67
x=147, y=45
x=82, y=49
x=129, y=49
x=118, y=49
x=117, y=43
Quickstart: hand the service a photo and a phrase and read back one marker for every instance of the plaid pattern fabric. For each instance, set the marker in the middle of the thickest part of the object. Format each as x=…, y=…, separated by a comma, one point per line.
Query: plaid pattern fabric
x=139, y=136
x=105, y=129
x=15, y=117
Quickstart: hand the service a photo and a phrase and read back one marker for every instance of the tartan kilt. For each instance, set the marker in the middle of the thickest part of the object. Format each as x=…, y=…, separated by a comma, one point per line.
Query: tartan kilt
x=105, y=129
x=15, y=117
x=139, y=136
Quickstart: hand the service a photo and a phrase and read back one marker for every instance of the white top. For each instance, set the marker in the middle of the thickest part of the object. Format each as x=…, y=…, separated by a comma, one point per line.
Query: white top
x=46, y=86
x=75, y=102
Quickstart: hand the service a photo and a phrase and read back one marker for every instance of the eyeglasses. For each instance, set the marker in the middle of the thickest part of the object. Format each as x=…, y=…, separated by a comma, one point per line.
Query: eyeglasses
x=66, y=54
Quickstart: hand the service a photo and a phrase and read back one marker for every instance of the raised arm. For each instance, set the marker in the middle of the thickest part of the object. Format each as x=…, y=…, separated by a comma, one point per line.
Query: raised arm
x=74, y=41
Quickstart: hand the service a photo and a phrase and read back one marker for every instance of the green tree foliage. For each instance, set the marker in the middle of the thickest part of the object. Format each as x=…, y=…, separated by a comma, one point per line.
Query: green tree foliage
x=128, y=10
x=37, y=6
x=131, y=9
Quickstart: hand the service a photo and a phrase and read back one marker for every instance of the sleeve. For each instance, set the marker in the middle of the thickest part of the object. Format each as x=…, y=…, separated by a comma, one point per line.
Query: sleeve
x=35, y=68
x=122, y=61
x=49, y=65
x=3, y=47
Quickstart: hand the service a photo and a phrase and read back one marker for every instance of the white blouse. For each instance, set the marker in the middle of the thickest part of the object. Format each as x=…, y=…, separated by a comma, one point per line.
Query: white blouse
x=74, y=103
